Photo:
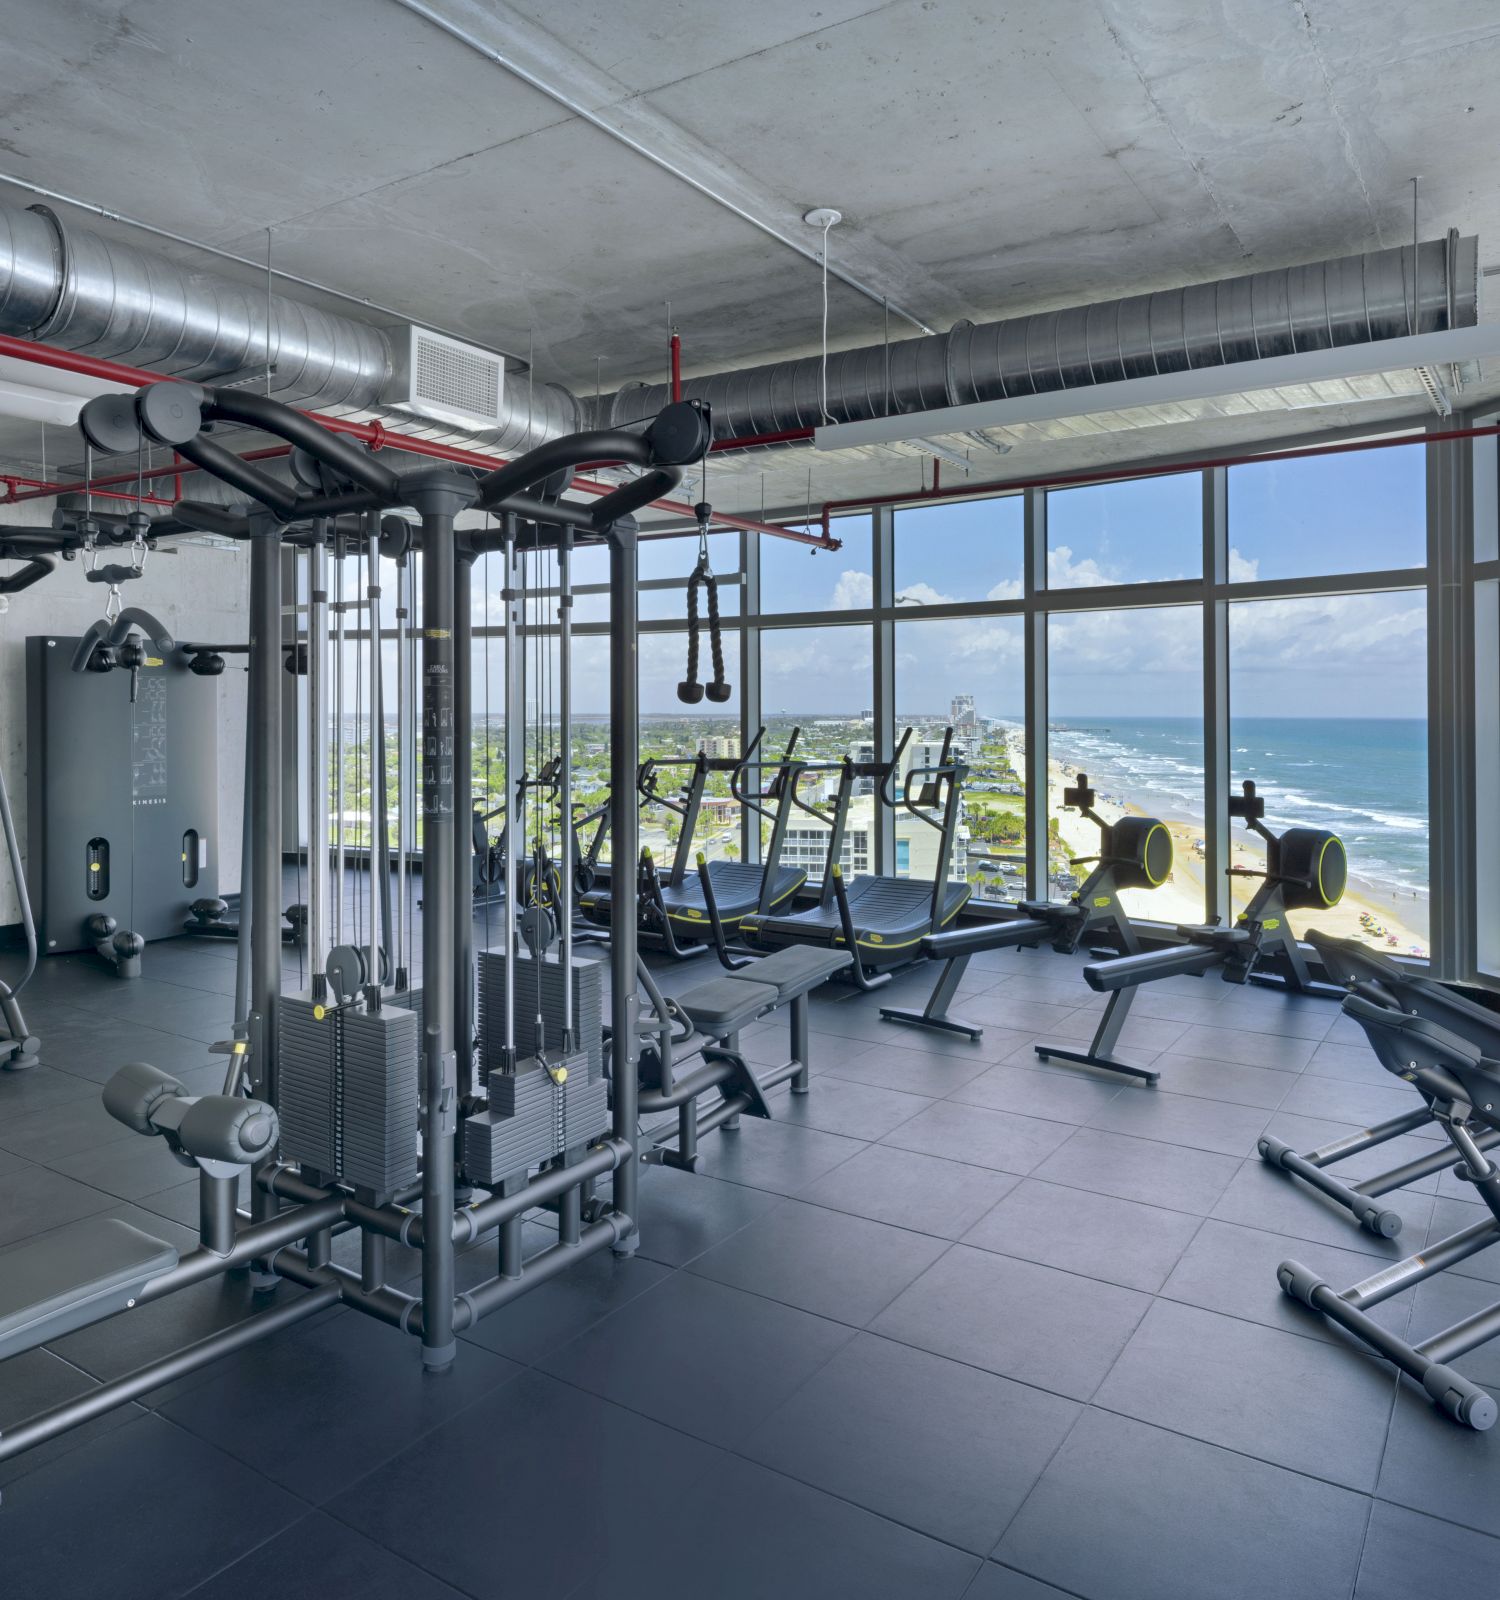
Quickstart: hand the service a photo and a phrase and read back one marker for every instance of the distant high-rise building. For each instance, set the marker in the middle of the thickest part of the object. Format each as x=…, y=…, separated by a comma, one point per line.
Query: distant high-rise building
x=962, y=715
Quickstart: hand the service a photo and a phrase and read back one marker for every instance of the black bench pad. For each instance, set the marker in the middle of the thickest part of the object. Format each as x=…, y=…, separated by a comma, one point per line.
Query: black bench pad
x=74, y=1276
x=723, y=1006
x=795, y=969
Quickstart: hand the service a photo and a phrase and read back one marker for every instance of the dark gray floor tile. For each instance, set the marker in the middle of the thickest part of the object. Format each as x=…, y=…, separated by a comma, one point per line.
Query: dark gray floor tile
x=1356, y=1062
x=910, y=1190
x=1433, y=1464
x=1231, y=1268
x=1310, y=1407
x=62, y=1129
x=1408, y=1554
x=993, y=1044
x=912, y=1071
x=932, y=1444
x=1027, y=1086
x=539, y=1322
x=34, y=1200
x=323, y=1406
x=1264, y=1011
x=1152, y=1000
x=1005, y=1583
x=110, y=1349
x=1004, y=1140
x=1025, y=1321
x=170, y=1007
x=1167, y=1520
x=1095, y=1235
x=1141, y=1039
x=700, y=1356
x=774, y=1155
x=329, y=1559
x=1453, y=1216
x=843, y=1105
x=1009, y=1008
x=1446, y=1299
x=127, y=1169
x=1259, y=1197
x=1141, y=1169
x=818, y=1546
x=827, y=1262
x=473, y=1502
x=40, y=1088
x=74, y=1530
x=1222, y=1080
x=683, y=1213
x=36, y=1381
x=1215, y=1042
x=95, y=1044
x=1365, y=1105
x=1186, y=1120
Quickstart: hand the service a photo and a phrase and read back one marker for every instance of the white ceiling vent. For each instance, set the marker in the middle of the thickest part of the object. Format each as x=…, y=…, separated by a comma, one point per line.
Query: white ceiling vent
x=450, y=381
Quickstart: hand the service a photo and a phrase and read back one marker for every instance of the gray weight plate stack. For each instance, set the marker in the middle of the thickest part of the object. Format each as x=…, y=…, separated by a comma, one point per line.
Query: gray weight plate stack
x=347, y=1093
x=380, y=1111
x=531, y=1118
x=307, y=1090
x=588, y=1008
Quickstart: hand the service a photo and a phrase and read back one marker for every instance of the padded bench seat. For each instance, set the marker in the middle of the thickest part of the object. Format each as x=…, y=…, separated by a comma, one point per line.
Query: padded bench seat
x=795, y=969
x=723, y=1006
x=74, y=1276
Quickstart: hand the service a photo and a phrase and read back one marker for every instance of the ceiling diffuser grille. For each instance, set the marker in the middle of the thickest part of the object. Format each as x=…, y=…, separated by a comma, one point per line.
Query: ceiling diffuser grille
x=452, y=381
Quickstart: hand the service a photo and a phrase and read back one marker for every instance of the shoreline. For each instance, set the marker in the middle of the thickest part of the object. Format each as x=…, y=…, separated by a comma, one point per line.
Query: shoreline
x=1363, y=909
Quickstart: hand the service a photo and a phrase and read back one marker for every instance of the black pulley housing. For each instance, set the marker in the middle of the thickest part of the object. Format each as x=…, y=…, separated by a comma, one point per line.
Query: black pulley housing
x=1140, y=850
x=1314, y=867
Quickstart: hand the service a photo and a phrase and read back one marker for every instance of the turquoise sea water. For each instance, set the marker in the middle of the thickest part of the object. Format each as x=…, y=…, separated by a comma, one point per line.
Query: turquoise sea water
x=1363, y=777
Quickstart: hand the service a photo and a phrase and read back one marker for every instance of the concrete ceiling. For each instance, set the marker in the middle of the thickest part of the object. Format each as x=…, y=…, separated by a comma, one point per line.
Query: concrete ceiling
x=990, y=159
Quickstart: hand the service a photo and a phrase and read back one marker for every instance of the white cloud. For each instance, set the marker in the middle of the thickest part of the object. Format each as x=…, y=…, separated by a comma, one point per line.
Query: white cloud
x=855, y=591
x=1065, y=573
x=1241, y=568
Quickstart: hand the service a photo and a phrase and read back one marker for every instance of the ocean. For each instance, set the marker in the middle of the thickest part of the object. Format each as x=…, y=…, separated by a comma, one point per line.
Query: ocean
x=1363, y=777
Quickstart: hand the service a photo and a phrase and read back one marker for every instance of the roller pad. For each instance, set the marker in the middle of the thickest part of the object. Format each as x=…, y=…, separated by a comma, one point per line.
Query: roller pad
x=132, y=1095
x=219, y=1127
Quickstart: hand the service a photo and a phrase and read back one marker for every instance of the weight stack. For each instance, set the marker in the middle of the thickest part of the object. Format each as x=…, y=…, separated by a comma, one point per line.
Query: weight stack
x=532, y=1118
x=588, y=1009
x=347, y=1095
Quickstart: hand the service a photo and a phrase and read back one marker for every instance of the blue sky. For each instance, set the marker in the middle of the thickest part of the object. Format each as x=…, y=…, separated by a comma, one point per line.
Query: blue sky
x=1327, y=656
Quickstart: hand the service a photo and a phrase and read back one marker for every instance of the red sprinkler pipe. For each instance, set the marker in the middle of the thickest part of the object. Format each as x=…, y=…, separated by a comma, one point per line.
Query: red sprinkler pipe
x=974, y=491
x=676, y=347
x=372, y=433
x=40, y=489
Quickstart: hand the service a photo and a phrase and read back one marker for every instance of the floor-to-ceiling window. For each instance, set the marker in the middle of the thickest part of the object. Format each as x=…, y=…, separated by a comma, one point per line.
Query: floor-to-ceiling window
x=1125, y=708
x=818, y=681
x=1328, y=689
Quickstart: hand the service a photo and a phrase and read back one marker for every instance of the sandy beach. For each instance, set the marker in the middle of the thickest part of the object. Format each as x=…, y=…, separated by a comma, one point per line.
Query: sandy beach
x=1402, y=924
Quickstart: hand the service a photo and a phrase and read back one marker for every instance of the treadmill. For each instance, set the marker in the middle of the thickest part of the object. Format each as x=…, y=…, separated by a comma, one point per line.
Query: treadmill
x=881, y=920
x=673, y=909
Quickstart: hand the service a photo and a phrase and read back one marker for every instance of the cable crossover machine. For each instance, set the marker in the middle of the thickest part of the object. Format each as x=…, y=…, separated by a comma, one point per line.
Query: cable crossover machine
x=366, y=1102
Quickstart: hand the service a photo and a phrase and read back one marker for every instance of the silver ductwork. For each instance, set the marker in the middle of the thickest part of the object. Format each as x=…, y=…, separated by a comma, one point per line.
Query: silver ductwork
x=78, y=290
x=1352, y=300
